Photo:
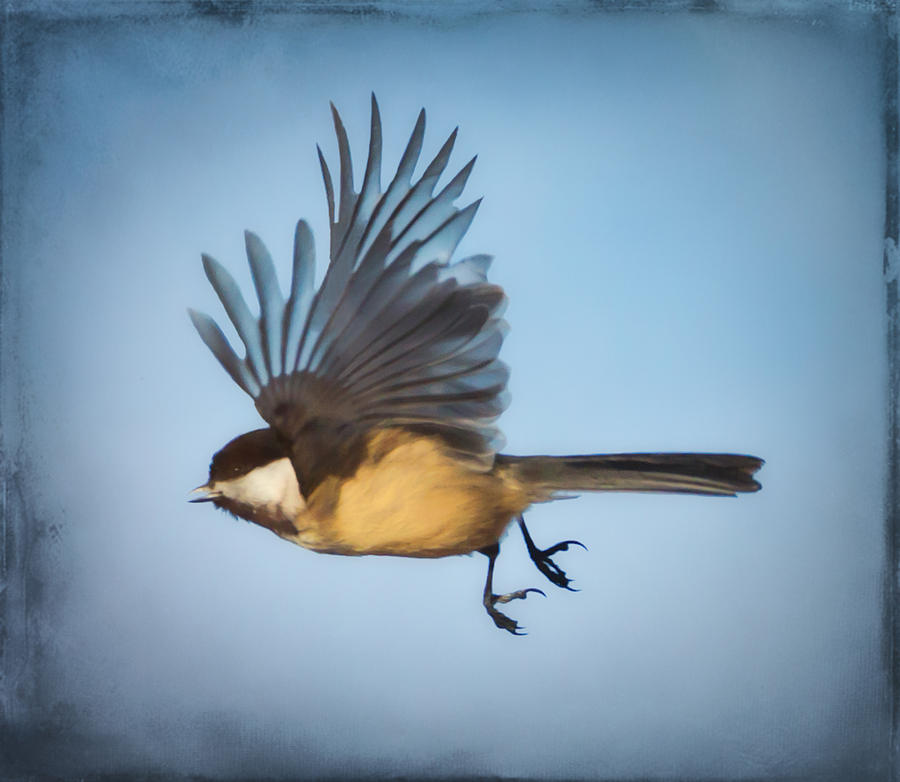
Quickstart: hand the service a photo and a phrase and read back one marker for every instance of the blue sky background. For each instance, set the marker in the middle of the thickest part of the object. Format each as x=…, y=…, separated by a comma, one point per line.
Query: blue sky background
x=686, y=212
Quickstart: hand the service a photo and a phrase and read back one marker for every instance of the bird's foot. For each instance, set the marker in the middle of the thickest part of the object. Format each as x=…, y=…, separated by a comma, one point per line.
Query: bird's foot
x=544, y=563
x=549, y=568
x=502, y=620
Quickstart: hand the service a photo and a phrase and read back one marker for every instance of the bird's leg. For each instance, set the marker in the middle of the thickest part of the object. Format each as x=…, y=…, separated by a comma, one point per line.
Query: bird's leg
x=541, y=558
x=501, y=620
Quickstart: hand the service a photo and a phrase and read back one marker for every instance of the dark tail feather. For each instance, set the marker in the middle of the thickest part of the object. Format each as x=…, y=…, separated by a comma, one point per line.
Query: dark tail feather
x=548, y=477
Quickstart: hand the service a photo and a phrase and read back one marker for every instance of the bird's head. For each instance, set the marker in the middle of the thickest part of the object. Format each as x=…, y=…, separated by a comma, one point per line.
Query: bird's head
x=252, y=477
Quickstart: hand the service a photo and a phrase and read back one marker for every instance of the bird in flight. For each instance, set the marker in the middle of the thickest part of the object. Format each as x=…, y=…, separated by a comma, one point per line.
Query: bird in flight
x=381, y=388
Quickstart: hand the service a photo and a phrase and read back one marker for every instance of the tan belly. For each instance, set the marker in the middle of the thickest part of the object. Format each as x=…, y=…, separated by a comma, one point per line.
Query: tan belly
x=411, y=499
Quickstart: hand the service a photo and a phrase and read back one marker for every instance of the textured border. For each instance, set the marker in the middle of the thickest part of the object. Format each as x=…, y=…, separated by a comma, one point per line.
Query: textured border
x=28, y=732
x=891, y=640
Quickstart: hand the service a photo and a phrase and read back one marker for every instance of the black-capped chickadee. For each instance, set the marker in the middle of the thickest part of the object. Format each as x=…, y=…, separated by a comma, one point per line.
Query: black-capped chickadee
x=381, y=388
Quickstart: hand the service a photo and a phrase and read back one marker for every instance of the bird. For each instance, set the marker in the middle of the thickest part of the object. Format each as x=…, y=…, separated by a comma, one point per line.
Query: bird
x=381, y=388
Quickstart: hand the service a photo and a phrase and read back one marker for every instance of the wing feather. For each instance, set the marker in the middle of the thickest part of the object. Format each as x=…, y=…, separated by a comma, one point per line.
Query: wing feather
x=271, y=302
x=329, y=188
x=346, y=167
x=297, y=309
x=467, y=358
x=215, y=340
x=236, y=308
x=398, y=187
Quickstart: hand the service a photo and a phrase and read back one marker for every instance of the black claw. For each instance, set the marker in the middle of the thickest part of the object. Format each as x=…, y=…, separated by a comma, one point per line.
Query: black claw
x=519, y=594
x=554, y=573
x=504, y=622
x=564, y=546
x=541, y=558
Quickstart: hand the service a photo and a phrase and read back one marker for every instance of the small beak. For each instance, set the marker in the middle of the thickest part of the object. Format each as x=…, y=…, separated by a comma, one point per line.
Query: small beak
x=202, y=494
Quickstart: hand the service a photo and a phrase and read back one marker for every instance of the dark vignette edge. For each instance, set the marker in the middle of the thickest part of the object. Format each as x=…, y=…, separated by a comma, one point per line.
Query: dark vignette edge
x=891, y=593
x=23, y=742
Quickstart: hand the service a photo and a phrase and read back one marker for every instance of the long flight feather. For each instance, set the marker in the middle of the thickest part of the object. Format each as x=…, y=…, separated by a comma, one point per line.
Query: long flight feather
x=271, y=301
x=369, y=191
x=346, y=194
x=236, y=308
x=302, y=280
x=216, y=341
x=398, y=187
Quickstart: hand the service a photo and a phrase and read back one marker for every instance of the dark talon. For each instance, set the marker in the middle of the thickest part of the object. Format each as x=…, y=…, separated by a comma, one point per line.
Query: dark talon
x=504, y=622
x=519, y=594
x=564, y=546
x=490, y=599
x=541, y=558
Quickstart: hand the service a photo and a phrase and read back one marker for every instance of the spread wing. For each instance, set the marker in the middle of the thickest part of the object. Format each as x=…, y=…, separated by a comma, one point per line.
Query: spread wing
x=396, y=334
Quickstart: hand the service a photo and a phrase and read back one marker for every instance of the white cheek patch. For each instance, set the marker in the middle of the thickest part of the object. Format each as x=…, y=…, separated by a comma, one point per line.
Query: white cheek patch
x=271, y=486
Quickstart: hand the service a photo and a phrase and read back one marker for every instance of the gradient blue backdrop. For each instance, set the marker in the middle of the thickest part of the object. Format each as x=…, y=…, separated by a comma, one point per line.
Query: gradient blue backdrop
x=686, y=213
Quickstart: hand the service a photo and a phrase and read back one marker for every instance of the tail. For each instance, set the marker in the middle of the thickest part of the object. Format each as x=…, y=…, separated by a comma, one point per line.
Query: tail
x=551, y=477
